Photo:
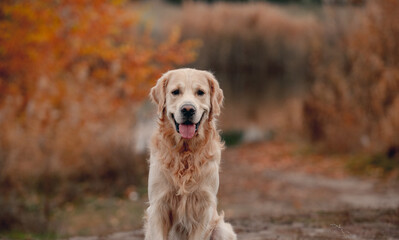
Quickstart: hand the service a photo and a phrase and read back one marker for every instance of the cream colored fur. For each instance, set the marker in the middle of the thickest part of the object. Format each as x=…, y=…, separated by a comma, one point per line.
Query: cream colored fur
x=184, y=173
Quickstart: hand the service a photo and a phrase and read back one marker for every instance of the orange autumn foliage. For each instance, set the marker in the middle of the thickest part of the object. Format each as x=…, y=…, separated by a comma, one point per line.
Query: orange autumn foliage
x=95, y=43
x=71, y=73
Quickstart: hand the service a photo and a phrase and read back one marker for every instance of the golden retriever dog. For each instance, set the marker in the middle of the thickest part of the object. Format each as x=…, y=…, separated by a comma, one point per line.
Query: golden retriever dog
x=185, y=158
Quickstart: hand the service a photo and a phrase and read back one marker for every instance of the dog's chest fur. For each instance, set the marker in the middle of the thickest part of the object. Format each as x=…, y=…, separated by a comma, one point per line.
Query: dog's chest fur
x=183, y=169
x=186, y=210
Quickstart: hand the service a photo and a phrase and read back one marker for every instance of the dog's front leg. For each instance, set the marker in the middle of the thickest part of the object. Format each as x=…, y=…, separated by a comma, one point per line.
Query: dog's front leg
x=158, y=222
x=203, y=231
x=200, y=207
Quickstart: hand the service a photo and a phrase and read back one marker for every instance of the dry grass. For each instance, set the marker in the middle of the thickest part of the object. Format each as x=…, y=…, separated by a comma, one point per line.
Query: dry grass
x=354, y=101
x=43, y=170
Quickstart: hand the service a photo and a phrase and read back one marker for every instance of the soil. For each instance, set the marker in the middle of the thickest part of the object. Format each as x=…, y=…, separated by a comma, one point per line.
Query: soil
x=271, y=191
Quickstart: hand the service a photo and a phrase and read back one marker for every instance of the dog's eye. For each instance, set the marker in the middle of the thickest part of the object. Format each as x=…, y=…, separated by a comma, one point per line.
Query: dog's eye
x=176, y=92
x=200, y=92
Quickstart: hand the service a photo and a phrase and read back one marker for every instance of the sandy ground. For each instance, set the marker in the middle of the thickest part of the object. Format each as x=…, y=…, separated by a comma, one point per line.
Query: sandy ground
x=268, y=193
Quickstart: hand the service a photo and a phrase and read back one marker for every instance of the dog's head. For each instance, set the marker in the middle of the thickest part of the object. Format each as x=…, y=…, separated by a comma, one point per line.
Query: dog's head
x=188, y=98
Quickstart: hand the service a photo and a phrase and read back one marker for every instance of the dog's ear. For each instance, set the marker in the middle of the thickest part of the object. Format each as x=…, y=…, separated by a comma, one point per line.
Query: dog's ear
x=216, y=96
x=158, y=93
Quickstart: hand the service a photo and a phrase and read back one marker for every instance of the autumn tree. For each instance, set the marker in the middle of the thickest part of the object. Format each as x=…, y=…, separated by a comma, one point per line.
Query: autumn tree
x=71, y=74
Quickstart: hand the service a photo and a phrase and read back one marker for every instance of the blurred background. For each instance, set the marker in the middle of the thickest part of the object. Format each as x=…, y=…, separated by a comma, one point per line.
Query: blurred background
x=311, y=92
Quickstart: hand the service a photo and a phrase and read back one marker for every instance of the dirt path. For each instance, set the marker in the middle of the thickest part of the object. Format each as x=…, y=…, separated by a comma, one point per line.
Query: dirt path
x=268, y=193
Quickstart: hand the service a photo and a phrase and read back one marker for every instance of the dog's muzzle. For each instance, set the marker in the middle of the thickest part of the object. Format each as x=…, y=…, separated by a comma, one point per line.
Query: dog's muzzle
x=187, y=129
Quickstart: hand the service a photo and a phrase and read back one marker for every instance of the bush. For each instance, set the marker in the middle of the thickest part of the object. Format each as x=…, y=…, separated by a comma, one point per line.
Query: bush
x=71, y=74
x=354, y=102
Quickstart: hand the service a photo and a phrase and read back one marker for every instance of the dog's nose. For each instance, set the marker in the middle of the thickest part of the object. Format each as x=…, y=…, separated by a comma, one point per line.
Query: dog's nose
x=187, y=110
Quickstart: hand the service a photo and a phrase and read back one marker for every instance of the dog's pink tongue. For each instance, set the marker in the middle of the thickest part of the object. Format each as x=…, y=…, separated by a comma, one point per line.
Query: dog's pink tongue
x=187, y=131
